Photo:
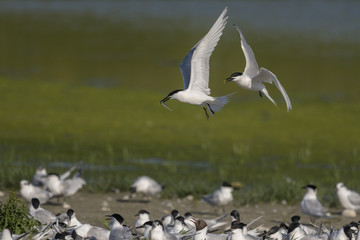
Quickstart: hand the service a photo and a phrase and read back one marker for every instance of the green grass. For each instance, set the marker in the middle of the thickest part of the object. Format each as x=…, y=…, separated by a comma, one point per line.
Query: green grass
x=14, y=216
x=90, y=92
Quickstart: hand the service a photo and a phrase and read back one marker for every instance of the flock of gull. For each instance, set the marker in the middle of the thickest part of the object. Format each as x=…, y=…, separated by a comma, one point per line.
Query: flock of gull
x=44, y=187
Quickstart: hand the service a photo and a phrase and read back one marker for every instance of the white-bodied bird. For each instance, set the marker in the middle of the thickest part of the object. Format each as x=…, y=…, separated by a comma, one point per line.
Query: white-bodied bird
x=195, y=72
x=146, y=186
x=40, y=214
x=220, y=197
x=310, y=205
x=29, y=191
x=253, y=78
x=348, y=199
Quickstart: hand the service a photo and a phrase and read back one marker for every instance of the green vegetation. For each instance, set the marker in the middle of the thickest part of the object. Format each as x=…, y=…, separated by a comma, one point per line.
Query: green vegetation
x=90, y=92
x=15, y=216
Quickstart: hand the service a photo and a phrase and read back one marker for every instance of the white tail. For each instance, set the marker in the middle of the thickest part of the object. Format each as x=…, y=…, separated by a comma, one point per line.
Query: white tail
x=219, y=103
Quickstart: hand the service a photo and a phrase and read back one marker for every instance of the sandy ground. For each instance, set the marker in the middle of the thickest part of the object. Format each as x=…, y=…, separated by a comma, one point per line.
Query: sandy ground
x=92, y=208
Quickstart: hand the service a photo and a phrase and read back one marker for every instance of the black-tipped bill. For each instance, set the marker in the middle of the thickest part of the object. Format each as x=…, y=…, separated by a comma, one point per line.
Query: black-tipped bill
x=163, y=102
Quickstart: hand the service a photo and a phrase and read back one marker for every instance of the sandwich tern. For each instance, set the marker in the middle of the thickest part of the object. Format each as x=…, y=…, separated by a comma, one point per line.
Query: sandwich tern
x=195, y=72
x=295, y=231
x=202, y=231
x=275, y=233
x=147, y=228
x=221, y=196
x=39, y=176
x=212, y=224
x=40, y=214
x=29, y=191
x=158, y=232
x=146, y=186
x=344, y=233
x=118, y=230
x=348, y=199
x=239, y=231
x=180, y=227
x=88, y=231
x=64, y=187
x=252, y=78
x=143, y=216
x=310, y=205
x=72, y=221
x=169, y=220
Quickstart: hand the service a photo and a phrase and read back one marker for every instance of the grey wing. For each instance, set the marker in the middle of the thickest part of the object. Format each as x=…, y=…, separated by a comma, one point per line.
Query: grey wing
x=267, y=76
x=212, y=198
x=354, y=198
x=251, y=67
x=45, y=217
x=185, y=67
x=314, y=207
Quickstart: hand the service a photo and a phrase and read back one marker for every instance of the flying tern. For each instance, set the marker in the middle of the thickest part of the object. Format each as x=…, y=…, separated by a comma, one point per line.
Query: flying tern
x=253, y=78
x=195, y=72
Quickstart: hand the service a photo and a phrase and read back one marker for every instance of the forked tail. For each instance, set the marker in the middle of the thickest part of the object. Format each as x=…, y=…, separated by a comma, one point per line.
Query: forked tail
x=218, y=103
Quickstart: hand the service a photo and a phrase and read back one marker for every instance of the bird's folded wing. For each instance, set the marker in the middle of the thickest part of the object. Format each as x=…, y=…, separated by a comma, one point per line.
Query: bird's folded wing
x=267, y=76
x=314, y=207
x=354, y=198
x=199, y=79
x=251, y=67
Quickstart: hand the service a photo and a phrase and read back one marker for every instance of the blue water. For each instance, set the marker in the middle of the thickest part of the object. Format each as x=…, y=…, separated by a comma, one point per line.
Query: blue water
x=327, y=20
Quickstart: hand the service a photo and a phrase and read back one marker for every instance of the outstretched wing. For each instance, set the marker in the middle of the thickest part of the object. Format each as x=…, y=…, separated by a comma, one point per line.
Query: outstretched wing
x=185, y=67
x=251, y=67
x=199, y=72
x=267, y=76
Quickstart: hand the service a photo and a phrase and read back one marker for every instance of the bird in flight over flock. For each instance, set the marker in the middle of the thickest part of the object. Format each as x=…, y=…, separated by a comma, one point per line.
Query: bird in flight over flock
x=253, y=78
x=195, y=72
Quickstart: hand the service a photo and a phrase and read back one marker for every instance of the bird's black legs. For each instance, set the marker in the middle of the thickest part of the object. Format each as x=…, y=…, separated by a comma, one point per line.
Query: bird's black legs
x=260, y=94
x=210, y=109
x=207, y=115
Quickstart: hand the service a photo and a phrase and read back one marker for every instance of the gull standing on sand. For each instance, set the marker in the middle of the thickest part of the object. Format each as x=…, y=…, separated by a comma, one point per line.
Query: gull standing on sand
x=252, y=78
x=310, y=205
x=146, y=185
x=350, y=200
x=221, y=196
x=195, y=72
